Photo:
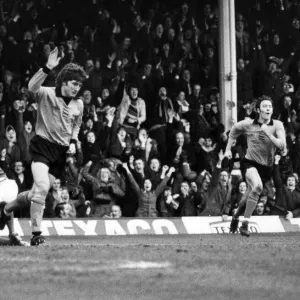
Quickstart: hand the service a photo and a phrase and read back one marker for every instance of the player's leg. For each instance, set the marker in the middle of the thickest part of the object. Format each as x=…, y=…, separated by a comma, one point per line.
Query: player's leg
x=8, y=192
x=254, y=181
x=51, y=179
x=240, y=211
x=14, y=237
x=21, y=201
x=256, y=186
x=24, y=198
x=40, y=172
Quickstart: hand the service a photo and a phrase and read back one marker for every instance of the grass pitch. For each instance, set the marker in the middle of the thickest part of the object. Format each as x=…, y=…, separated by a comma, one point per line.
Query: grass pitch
x=263, y=266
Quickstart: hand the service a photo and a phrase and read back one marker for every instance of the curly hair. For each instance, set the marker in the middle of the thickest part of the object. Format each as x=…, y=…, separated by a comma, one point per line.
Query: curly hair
x=264, y=98
x=70, y=72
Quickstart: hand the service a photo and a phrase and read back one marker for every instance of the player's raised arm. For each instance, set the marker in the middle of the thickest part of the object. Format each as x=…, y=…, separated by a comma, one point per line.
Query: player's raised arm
x=39, y=77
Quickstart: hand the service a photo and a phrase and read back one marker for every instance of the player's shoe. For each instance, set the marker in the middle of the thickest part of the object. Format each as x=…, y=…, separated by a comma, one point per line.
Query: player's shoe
x=3, y=217
x=37, y=240
x=16, y=240
x=244, y=230
x=234, y=225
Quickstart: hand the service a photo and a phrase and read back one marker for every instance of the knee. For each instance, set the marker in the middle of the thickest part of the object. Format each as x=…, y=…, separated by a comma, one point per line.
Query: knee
x=258, y=188
x=41, y=189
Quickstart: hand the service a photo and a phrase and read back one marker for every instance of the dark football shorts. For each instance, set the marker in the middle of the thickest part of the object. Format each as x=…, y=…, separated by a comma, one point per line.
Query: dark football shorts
x=51, y=154
x=264, y=172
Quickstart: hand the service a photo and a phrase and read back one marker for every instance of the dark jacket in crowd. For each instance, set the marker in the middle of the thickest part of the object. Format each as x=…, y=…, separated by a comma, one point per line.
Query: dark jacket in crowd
x=285, y=199
x=147, y=200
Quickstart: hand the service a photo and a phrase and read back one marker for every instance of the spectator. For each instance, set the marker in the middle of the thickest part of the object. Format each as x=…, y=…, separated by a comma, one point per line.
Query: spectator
x=260, y=209
x=9, y=142
x=87, y=102
x=185, y=85
x=243, y=43
x=241, y=190
x=167, y=205
x=132, y=111
x=106, y=192
x=22, y=178
x=195, y=100
x=189, y=199
x=244, y=84
x=115, y=213
x=181, y=105
x=287, y=196
x=218, y=197
x=147, y=197
x=181, y=152
x=94, y=147
x=207, y=154
x=70, y=175
x=25, y=134
x=155, y=171
x=164, y=104
x=53, y=199
x=199, y=126
x=120, y=143
x=68, y=210
x=152, y=98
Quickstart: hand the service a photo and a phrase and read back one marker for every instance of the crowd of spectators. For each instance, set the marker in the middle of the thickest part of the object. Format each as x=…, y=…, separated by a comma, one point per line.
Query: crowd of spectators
x=151, y=142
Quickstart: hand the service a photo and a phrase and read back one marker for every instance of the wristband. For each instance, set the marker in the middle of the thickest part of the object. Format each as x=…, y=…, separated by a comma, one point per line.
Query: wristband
x=46, y=70
x=73, y=141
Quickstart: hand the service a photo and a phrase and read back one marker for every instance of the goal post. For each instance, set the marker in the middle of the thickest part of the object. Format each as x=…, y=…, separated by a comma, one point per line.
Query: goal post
x=227, y=63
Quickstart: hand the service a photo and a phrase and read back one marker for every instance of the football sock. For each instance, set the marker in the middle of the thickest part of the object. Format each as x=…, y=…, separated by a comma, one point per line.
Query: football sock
x=240, y=210
x=36, y=214
x=10, y=224
x=251, y=204
x=36, y=233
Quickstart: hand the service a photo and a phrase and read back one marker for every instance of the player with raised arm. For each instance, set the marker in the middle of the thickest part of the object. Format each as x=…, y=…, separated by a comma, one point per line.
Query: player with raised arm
x=59, y=117
x=264, y=135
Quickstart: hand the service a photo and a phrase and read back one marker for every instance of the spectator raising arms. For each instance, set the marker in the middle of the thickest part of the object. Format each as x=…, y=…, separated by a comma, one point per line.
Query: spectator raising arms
x=147, y=197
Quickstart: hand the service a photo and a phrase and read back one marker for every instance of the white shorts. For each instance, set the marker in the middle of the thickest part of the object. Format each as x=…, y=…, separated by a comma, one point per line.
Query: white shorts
x=8, y=190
